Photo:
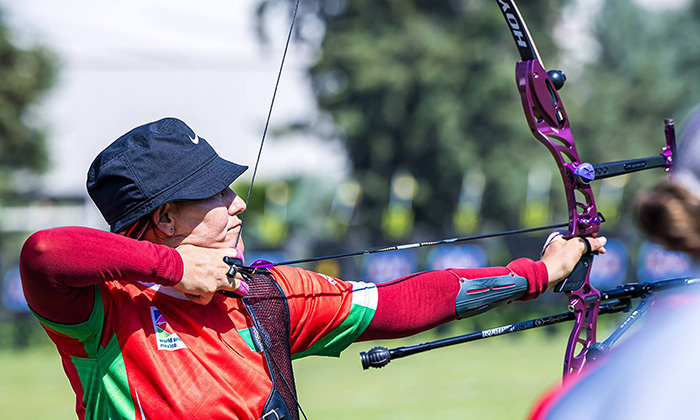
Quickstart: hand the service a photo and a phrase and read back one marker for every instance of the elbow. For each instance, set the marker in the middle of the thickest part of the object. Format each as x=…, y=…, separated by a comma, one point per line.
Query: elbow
x=36, y=246
x=35, y=255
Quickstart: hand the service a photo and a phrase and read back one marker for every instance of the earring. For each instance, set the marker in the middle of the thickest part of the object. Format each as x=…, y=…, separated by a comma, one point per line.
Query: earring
x=172, y=230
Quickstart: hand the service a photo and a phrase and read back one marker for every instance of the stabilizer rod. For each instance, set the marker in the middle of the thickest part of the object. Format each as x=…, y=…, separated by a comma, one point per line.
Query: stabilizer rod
x=618, y=300
x=379, y=357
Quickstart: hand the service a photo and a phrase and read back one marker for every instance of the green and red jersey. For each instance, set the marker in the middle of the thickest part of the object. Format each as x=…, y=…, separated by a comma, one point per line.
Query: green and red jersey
x=148, y=352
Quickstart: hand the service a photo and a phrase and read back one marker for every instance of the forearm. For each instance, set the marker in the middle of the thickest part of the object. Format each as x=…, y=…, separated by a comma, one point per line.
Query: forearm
x=422, y=301
x=60, y=266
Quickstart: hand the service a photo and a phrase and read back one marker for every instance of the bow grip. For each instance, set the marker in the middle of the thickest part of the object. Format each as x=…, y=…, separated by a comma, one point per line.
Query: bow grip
x=578, y=276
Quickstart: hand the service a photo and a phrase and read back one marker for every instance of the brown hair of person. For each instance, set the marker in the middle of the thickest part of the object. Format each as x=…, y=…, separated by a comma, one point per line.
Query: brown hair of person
x=670, y=214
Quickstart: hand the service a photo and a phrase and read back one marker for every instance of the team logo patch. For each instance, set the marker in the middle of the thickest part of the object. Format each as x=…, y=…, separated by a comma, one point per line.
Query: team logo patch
x=165, y=337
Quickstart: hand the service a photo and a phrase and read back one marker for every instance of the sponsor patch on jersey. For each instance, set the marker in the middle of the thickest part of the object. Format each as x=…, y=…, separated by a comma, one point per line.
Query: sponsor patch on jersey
x=166, y=338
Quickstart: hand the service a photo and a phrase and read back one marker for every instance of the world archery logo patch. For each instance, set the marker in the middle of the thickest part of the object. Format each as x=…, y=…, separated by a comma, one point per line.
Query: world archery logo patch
x=165, y=337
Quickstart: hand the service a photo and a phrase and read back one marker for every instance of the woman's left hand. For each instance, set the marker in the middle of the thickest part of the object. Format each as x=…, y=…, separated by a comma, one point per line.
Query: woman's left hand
x=561, y=255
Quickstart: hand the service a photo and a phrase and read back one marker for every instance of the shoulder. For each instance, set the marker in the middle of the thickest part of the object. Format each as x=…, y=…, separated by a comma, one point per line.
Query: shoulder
x=299, y=280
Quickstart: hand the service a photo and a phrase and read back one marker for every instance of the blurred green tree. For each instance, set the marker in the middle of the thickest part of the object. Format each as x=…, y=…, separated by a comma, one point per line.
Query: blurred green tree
x=26, y=74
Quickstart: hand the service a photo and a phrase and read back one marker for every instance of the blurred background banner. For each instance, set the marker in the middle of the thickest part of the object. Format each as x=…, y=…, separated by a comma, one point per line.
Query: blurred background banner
x=12, y=296
x=380, y=268
x=394, y=122
x=457, y=256
x=656, y=263
x=610, y=269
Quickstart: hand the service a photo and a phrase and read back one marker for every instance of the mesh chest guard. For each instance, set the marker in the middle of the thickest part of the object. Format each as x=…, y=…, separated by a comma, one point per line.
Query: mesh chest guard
x=267, y=306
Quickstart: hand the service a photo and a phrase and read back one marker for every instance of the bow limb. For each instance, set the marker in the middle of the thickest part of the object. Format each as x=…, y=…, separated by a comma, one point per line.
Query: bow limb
x=549, y=123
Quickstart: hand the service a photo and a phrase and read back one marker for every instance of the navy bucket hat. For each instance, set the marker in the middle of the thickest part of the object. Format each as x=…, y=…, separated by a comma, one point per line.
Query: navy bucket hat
x=155, y=164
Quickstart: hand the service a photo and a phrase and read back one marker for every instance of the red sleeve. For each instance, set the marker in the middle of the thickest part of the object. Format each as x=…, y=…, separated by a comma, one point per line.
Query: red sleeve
x=421, y=301
x=59, y=265
x=318, y=305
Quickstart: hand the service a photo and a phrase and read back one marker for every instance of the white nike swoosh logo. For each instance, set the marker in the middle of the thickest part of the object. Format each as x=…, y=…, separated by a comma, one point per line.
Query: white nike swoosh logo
x=194, y=140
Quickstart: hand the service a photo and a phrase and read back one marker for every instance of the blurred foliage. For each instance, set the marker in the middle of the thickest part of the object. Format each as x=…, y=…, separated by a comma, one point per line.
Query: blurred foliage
x=305, y=205
x=26, y=74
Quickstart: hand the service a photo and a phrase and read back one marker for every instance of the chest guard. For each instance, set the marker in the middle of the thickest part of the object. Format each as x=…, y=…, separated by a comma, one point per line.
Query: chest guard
x=267, y=306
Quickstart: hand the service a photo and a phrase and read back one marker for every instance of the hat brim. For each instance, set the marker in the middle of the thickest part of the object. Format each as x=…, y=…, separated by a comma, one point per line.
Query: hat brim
x=209, y=180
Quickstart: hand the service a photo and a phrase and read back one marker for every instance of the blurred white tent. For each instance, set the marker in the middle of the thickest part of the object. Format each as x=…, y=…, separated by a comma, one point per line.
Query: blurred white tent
x=128, y=62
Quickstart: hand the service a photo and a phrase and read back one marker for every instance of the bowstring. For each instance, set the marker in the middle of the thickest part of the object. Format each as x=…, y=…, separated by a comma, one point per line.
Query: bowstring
x=257, y=160
x=269, y=115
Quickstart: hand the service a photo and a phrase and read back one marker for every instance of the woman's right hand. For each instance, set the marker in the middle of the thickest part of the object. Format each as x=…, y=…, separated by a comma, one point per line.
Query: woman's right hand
x=205, y=272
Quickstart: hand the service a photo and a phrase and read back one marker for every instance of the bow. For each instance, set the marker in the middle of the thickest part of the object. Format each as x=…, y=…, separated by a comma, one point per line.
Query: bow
x=549, y=123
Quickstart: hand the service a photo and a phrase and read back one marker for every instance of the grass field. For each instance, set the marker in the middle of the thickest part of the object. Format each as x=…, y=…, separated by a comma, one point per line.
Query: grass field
x=33, y=386
x=498, y=378
x=492, y=379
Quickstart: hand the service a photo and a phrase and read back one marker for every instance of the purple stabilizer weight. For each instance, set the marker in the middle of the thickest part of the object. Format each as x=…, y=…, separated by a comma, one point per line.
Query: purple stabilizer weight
x=585, y=172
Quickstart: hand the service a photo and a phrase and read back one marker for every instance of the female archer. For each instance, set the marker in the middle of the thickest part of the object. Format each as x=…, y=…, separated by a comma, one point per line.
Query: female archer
x=139, y=326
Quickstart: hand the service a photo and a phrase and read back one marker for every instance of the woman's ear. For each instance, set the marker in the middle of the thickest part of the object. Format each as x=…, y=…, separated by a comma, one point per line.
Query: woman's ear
x=163, y=219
